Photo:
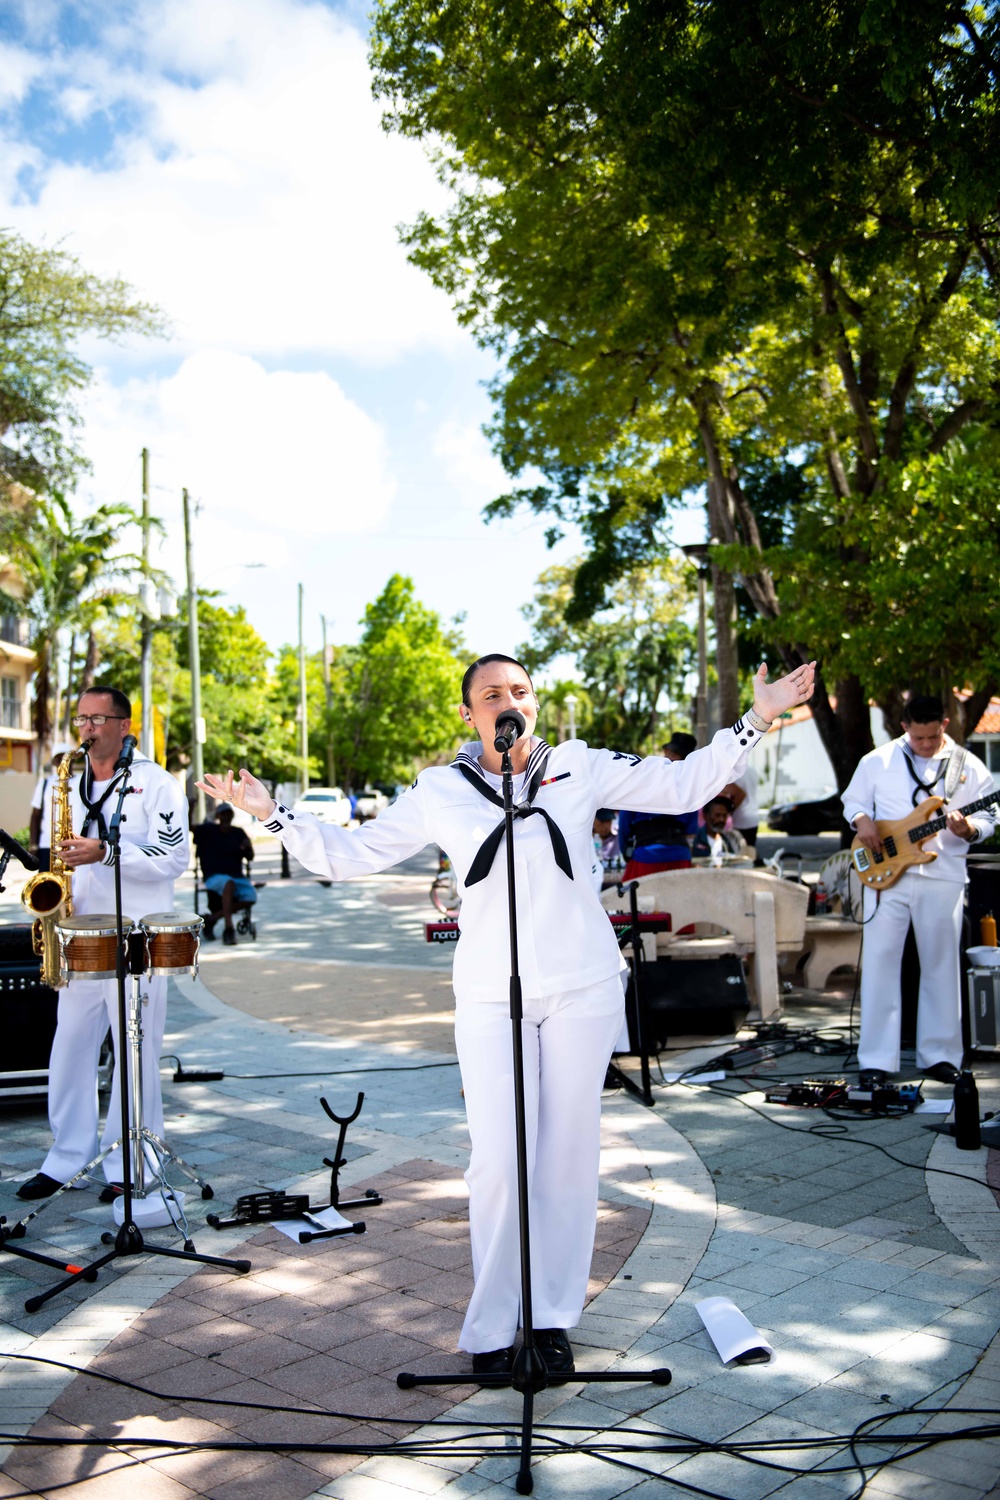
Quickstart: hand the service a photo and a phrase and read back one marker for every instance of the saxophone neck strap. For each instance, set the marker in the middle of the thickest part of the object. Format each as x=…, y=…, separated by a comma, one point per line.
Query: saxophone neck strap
x=94, y=809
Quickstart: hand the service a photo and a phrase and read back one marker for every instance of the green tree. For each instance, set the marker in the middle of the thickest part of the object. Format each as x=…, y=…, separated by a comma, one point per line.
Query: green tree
x=68, y=566
x=630, y=655
x=683, y=294
x=47, y=303
x=396, y=706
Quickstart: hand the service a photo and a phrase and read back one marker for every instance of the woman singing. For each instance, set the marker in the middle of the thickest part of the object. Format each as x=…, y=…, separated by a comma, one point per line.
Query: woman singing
x=569, y=962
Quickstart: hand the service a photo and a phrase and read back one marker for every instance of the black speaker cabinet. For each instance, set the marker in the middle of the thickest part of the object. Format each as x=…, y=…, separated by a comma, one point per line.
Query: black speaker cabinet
x=688, y=997
x=27, y=1016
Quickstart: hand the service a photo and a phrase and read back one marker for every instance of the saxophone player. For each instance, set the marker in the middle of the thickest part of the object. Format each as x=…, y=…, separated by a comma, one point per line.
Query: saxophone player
x=155, y=850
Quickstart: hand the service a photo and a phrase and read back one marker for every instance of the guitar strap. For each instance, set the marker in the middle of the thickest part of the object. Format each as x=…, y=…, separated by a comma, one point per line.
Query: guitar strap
x=950, y=770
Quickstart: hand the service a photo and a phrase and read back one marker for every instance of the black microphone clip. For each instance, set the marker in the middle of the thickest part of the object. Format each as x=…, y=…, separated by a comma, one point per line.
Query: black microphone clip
x=509, y=726
x=124, y=760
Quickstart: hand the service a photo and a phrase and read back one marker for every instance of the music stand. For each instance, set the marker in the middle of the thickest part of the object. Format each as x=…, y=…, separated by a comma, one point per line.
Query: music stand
x=129, y=1239
x=529, y=1375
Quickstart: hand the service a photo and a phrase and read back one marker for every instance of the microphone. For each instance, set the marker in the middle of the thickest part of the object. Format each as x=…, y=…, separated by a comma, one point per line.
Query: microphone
x=509, y=726
x=124, y=760
x=11, y=846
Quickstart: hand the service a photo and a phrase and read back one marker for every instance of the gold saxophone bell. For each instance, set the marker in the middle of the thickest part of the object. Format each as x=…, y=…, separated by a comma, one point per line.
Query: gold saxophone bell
x=48, y=895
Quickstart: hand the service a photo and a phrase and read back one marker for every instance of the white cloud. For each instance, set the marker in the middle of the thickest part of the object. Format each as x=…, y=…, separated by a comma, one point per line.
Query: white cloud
x=257, y=200
x=468, y=462
x=264, y=454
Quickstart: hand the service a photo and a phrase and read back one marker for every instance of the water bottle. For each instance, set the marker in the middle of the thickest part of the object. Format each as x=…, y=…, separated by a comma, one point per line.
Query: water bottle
x=966, y=1112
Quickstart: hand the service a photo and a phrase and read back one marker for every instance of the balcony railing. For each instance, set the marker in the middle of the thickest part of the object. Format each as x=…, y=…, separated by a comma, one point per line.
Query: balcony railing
x=10, y=713
x=14, y=629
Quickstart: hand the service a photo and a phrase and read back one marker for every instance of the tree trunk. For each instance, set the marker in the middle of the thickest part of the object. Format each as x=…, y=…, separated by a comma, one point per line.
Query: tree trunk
x=43, y=723
x=89, y=664
x=854, y=719
x=726, y=657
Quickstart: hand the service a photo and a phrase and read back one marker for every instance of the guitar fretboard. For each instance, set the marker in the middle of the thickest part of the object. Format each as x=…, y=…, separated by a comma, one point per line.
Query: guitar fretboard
x=927, y=830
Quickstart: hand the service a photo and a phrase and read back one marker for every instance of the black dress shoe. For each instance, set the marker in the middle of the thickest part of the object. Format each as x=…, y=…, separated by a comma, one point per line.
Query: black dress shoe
x=556, y=1350
x=229, y=937
x=942, y=1072
x=872, y=1078
x=39, y=1186
x=110, y=1192
x=493, y=1362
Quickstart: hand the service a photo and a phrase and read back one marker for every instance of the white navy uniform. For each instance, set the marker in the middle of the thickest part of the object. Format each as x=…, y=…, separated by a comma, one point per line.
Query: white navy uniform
x=572, y=993
x=931, y=896
x=155, y=850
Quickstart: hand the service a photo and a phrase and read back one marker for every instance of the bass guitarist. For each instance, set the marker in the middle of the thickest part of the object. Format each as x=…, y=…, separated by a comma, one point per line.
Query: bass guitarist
x=888, y=784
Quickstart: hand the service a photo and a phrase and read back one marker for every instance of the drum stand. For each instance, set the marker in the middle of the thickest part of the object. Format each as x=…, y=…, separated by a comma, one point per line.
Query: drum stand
x=529, y=1375
x=134, y=1135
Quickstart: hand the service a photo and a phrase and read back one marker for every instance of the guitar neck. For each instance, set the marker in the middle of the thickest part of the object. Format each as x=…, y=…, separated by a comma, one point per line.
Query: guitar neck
x=926, y=830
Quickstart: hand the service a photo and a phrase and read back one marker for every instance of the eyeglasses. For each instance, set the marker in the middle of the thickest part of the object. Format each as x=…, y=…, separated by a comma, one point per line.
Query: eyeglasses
x=95, y=720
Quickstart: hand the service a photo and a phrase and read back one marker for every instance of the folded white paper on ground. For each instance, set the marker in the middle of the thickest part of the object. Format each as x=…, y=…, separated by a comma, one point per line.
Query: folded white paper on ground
x=934, y=1107
x=328, y=1217
x=730, y=1331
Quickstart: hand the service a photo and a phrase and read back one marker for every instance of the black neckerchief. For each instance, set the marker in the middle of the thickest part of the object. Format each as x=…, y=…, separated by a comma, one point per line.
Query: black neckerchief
x=483, y=862
x=92, y=809
x=922, y=786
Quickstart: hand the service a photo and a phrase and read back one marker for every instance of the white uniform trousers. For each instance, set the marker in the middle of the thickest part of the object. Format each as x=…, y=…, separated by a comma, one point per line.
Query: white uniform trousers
x=567, y=1046
x=935, y=908
x=86, y=1007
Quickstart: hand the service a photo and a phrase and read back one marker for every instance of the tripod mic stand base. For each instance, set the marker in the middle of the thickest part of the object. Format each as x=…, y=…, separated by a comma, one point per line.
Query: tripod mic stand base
x=151, y=1212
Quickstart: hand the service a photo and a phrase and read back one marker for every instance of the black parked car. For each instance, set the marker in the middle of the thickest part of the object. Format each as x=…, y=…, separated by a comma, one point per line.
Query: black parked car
x=807, y=818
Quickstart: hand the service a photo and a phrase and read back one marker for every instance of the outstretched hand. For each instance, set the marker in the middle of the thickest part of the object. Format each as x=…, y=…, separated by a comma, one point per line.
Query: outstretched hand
x=773, y=698
x=248, y=794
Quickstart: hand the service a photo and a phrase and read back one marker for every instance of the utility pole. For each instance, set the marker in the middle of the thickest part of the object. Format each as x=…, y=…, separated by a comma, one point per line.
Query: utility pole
x=303, y=703
x=146, y=672
x=194, y=661
x=328, y=688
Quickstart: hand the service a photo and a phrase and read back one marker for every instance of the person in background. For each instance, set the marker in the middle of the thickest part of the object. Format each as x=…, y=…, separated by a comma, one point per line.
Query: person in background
x=714, y=839
x=606, y=855
x=746, y=805
x=650, y=841
x=222, y=848
x=40, y=823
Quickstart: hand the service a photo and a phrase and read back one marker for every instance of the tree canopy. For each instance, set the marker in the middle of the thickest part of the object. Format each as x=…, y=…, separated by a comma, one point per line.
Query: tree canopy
x=47, y=302
x=747, y=247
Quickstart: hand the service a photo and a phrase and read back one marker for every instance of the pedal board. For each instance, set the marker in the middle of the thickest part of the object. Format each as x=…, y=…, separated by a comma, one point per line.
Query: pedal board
x=837, y=1093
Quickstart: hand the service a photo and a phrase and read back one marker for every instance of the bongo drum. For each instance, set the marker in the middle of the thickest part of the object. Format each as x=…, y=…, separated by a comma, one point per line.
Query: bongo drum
x=88, y=945
x=172, y=942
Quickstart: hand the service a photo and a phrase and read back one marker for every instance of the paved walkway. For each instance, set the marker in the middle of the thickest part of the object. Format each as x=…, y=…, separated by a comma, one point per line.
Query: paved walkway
x=876, y=1281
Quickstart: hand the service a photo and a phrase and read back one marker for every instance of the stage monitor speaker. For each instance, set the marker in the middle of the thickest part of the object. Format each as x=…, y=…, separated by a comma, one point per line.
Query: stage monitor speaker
x=688, y=997
x=27, y=1016
x=984, y=1010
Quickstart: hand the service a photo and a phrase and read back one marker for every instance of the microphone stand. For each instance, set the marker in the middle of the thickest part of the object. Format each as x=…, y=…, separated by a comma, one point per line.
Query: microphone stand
x=529, y=1375
x=128, y=1062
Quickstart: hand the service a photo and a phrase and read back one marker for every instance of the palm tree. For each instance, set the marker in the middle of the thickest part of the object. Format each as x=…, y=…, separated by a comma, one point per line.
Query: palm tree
x=67, y=568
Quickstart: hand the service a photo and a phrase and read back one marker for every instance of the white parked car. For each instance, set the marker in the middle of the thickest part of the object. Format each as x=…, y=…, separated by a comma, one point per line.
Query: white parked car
x=369, y=803
x=327, y=803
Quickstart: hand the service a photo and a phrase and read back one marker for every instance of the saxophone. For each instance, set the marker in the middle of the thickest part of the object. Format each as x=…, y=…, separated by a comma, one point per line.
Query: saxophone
x=48, y=895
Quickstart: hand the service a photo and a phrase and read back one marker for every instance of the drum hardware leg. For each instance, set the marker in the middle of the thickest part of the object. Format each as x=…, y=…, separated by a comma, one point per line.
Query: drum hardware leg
x=131, y=960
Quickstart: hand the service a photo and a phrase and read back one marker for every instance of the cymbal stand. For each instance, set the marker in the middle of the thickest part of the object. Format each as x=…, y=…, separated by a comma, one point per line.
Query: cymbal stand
x=529, y=1375
x=129, y=1239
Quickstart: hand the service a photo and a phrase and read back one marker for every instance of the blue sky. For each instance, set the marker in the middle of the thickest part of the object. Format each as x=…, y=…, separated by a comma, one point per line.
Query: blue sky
x=316, y=394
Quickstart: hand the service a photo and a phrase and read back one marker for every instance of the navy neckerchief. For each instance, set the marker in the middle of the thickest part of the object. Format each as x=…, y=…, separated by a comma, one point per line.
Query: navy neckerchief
x=483, y=862
x=93, y=810
x=928, y=787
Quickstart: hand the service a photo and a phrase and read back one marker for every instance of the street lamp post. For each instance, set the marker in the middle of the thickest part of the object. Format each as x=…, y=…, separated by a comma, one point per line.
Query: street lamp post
x=194, y=661
x=571, y=710
x=303, y=703
x=146, y=657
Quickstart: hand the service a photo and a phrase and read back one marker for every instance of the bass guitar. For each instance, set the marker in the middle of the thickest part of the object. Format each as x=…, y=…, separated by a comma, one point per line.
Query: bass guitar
x=903, y=840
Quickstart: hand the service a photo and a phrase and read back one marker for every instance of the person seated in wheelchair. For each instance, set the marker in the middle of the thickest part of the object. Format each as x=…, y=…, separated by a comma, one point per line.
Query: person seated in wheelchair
x=222, y=849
